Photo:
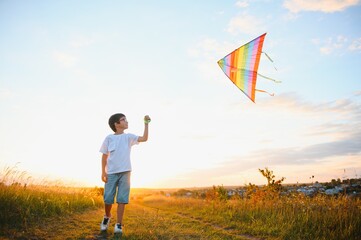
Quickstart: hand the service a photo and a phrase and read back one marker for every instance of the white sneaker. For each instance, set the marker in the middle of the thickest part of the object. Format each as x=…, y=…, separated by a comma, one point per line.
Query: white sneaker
x=105, y=223
x=118, y=228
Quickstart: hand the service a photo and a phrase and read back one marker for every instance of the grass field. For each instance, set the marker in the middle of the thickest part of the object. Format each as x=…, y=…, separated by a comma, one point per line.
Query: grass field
x=59, y=212
x=23, y=205
x=297, y=217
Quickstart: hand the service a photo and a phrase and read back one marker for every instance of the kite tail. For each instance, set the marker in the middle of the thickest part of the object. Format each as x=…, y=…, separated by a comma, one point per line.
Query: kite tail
x=269, y=58
x=271, y=94
x=269, y=78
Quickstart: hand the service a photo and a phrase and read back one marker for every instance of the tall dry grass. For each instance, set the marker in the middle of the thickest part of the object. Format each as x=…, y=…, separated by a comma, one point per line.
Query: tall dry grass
x=22, y=204
x=285, y=217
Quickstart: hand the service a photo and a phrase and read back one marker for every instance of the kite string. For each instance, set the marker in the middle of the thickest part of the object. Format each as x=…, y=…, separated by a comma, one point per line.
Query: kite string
x=269, y=58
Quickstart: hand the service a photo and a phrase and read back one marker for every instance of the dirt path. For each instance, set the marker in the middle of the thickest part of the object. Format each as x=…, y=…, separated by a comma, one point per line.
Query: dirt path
x=142, y=222
x=233, y=234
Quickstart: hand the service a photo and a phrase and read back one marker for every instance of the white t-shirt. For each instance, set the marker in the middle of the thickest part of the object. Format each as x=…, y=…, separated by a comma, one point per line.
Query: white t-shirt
x=117, y=147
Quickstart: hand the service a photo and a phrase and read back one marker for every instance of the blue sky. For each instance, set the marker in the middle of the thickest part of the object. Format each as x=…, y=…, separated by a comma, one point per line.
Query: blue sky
x=67, y=66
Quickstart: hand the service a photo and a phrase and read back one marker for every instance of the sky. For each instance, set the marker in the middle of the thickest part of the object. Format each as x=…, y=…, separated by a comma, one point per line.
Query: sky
x=67, y=66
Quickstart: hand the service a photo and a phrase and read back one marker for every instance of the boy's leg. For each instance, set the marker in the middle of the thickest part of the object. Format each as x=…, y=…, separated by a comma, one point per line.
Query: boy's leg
x=109, y=194
x=108, y=208
x=120, y=212
x=123, y=195
x=106, y=219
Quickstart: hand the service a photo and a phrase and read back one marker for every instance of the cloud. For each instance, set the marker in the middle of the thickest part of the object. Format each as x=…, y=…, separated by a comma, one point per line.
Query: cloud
x=292, y=102
x=345, y=127
x=355, y=45
x=206, y=53
x=207, y=48
x=211, y=49
x=65, y=59
x=327, y=6
x=5, y=93
x=358, y=93
x=333, y=45
x=245, y=23
x=310, y=154
x=242, y=4
x=337, y=45
x=81, y=41
x=340, y=125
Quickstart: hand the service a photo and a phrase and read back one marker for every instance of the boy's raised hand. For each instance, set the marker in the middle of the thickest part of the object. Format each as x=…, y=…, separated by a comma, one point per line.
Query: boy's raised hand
x=147, y=119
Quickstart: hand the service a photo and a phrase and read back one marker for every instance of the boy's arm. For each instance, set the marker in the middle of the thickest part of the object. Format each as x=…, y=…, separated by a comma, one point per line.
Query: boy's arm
x=104, y=163
x=144, y=138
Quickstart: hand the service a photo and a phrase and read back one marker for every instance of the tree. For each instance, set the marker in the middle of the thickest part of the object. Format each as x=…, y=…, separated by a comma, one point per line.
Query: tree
x=272, y=183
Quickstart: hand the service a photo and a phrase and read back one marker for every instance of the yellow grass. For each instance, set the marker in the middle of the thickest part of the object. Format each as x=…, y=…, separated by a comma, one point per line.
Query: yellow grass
x=288, y=217
x=23, y=204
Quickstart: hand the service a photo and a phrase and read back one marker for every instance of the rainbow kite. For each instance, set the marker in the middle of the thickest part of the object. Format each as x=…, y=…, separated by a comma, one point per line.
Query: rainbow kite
x=241, y=66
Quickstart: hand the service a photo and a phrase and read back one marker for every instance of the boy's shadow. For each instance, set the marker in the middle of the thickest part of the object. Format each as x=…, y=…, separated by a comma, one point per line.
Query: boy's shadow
x=104, y=235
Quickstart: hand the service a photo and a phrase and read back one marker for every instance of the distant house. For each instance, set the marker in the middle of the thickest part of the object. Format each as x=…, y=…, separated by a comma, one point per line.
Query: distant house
x=334, y=191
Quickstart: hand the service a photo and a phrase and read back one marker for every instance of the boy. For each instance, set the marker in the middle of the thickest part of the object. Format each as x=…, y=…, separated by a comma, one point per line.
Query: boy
x=116, y=167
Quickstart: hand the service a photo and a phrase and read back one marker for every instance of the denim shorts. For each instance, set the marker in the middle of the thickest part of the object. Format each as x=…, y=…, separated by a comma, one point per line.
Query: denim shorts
x=119, y=184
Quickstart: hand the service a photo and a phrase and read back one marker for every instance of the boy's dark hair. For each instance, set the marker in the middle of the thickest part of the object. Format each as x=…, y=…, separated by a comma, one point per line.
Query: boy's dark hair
x=115, y=119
